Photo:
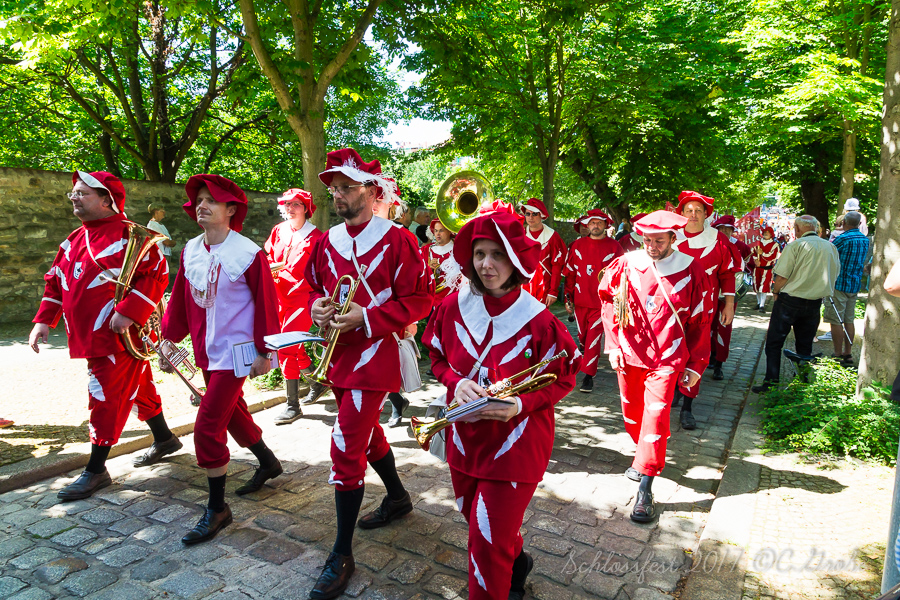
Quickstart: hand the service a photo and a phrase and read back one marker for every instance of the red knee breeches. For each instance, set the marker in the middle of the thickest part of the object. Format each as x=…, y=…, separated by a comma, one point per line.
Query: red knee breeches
x=222, y=411
x=590, y=329
x=357, y=437
x=118, y=384
x=721, y=335
x=294, y=317
x=646, y=401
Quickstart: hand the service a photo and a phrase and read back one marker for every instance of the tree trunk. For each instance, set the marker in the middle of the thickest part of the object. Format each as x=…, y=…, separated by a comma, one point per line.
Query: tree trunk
x=848, y=164
x=312, y=143
x=814, y=202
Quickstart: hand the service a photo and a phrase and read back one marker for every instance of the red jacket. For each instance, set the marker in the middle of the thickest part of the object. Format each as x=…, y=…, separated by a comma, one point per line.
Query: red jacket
x=294, y=248
x=441, y=254
x=586, y=258
x=718, y=257
x=548, y=275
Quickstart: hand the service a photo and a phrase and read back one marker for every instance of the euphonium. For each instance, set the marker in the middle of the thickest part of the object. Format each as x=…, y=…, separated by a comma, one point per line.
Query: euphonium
x=460, y=197
x=505, y=388
x=320, y=375
x=140, y=240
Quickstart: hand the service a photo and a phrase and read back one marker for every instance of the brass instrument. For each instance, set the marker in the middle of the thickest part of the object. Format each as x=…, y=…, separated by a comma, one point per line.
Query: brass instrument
x=277, y=266
x=173, y=356
x=459, y=198
x=505, y=388
x=140, y=240
x=320, y=375
x=436, y=270
x=620, y=303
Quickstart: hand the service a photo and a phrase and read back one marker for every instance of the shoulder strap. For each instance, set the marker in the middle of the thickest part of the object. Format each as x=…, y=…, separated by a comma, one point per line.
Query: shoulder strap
x=668, y=300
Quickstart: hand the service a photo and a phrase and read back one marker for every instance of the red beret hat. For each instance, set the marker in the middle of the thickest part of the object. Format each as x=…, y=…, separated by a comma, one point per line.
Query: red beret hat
x=103, y=181
x=505, y=229
x=301, y=195
x=499, y=206
x=688, y=196
x=638, y=217
x=594, y=213
x=660, y=221
x=769, y=229
x=535, y=205
x=350, y=163
x=222, y=190
x=724, y=221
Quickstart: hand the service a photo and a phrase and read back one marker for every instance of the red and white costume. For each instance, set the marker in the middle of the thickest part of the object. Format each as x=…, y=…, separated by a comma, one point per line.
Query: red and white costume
x=293, y=248
x=721, y=334
x=761, y=263
x=717, y=257
x=587, y=257
x=655, y=348
x=75, y=290
x=548, y=276
x=633, y=241
x=495, y=466
x=439, y=254
x=223, y=295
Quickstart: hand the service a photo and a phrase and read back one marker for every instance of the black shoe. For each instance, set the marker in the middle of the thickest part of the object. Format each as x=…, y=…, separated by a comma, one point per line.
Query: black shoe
x=717, y=372
x=84, y=487
x=208, y=526
x=517, y=585
x=633, y=474
x=687, y=420
x=158, y=450
x=315, y=391
x=587, y=384
x=764, y=387
x=334, y=578
x=762, y=309
x=396, y=417
x=387, y=512
x=430, y=373
x=676, y=400
x=259, y=478
x=644, y=510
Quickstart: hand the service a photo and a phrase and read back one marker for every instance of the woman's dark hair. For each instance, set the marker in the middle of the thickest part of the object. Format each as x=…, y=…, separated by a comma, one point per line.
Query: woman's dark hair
x=514, y=280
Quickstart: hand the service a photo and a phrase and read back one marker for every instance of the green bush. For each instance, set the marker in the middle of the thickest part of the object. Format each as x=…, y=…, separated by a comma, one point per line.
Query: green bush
x=827, y=417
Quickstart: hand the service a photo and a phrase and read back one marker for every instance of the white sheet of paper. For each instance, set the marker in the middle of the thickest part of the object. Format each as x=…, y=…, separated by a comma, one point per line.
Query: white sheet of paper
x=290, y=338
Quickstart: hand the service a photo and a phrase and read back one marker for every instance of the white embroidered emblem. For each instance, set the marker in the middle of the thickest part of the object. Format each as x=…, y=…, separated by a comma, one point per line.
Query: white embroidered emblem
x=78, y=271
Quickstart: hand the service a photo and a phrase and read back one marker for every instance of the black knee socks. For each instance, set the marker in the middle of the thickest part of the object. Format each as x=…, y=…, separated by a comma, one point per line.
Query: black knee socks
x=387, y=470
x=97, y=462
x=216, y=493
x=646, y=483
x=263, y=454
x=396, y=402
x=519, y=572
x=347, y=505
x=686, y=403
x=159, y=428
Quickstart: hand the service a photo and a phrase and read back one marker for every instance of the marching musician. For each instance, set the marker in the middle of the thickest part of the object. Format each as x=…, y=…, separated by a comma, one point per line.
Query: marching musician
x=721, y=334
x=365, y=364
x=487, y=331
x=288, y=250
x=81, y=286
x=762, y=260
x=632, y=240
x=720, y=261
x=587, y=258
x=225, y=299
x=545, y=284
x=657, y=336
x=435, y=254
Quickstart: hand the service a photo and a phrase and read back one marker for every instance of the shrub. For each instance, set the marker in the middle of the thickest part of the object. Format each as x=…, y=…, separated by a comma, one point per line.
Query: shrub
x=827, y=417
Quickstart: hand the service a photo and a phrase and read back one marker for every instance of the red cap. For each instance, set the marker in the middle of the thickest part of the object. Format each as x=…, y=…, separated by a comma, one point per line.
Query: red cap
x=303, y=196
x=535, y=205
x=685, y=197
x=103, y=181
x=769, y=229
x=577, y=225
x=499, y=206
x=594, y=213
x=394, y=197
x=350, y=163
x=222, y=190
x=505, y=229
x=660, y=221
x=638, y=217
x=724, y=221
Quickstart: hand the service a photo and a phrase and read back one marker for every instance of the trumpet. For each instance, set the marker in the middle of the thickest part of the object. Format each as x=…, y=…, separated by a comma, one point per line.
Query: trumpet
x=505, y=388
x=320, y=375
x=173, y=356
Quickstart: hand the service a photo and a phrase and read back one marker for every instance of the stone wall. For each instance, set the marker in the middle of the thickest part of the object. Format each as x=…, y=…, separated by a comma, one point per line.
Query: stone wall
x=35, y=216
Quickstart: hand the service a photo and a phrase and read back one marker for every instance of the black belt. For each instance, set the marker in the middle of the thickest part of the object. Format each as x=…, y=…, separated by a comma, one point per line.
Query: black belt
x=769, y=268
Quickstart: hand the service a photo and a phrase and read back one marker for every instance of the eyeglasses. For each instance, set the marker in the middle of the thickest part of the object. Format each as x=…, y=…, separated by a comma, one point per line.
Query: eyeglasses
x=294, y=205
x=532, y=214
x=336, y=190
x=76, y=195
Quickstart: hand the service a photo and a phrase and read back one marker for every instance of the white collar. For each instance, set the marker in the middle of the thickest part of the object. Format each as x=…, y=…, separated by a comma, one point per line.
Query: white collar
x=637, y=237
x=235, y=255
x=705, y=239
x=302, y=233
x=674, y=263
x=442, y=250
x=373, y=232
x=545, y=235
x=506, y=324
x=733, y=240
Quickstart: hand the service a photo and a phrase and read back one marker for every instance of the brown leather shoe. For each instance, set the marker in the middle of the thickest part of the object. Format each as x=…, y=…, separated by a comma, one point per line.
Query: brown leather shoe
x=334, y=578
x=208, y=526
x=387, y=512
x=157, y=451
x=85, y=486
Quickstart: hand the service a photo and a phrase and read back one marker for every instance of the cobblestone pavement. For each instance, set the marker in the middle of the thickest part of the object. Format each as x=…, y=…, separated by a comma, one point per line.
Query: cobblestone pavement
x=125, y=542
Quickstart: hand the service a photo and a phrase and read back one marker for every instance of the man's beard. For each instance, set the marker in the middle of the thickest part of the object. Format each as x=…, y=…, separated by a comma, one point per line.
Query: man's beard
x=349, y=212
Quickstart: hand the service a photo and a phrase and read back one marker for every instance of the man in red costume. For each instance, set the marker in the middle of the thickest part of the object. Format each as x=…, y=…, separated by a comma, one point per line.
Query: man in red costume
x=393, y=292
x=80, y=287
x=288, y=249
x=720, y=260
x=225, y=299
x=632, y=240
x=436, y=254
x=545, y=284
x=587, y=258
x=762, y=260
x=721, y=334
x=656, y=319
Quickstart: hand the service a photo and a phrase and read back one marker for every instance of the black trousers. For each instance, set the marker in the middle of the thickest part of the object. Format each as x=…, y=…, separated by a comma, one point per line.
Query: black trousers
x=790, y=312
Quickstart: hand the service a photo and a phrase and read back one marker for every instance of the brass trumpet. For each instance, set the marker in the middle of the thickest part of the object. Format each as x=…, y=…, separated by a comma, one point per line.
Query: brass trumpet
x=173, y=356
x=320, y=375
x=505, y=388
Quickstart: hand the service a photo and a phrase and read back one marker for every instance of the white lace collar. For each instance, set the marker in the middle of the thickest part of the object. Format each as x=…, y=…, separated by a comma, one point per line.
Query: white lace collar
x=235, y=255
x=442, y=250
x=302, y=233
x=705, y=239
x=506, y=324
x=544, y=237
x=674, y=263
x=373, y=232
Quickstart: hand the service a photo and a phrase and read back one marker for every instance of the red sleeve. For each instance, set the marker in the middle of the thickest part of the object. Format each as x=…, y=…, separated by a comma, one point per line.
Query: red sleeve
x=568, y=272
x=439, y=364
x=730, y=264
x=554, y=339
x=412, y=298
x=557, y=261
x=148, y=286
x=312, y=267
x=265, y=300
x=696, y=328
x=270, y=246
x=609, y=286
x=50, y=309
x=175, y=320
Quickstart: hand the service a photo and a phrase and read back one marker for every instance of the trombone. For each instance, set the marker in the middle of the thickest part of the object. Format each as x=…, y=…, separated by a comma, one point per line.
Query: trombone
x=505, y=388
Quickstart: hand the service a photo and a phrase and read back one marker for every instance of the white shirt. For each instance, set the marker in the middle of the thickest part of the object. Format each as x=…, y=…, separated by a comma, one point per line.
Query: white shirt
x=158, y=227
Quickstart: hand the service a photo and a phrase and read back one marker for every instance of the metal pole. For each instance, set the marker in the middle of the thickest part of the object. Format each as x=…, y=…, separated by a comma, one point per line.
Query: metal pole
x=840, y=319
x=891, y=576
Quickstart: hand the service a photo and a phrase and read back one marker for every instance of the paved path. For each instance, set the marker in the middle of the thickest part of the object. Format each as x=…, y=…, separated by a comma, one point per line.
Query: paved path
x=124, y=542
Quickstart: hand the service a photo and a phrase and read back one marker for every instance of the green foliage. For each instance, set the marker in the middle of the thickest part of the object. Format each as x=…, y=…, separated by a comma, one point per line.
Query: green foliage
x=826, y=416
x=273, y=380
